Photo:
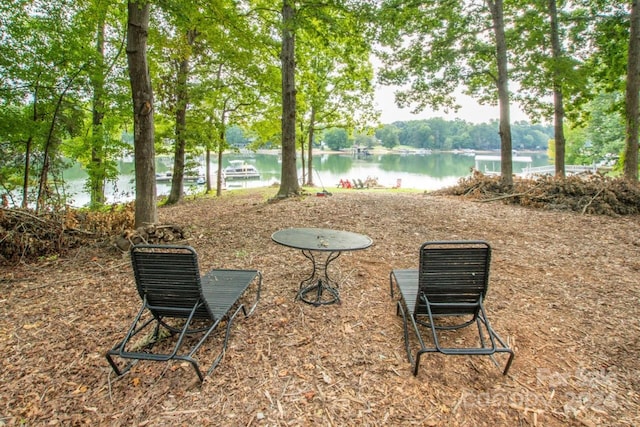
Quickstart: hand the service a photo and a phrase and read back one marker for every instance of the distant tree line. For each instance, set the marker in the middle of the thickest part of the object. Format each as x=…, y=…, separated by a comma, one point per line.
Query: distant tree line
x=600, y=139
x=441, y=134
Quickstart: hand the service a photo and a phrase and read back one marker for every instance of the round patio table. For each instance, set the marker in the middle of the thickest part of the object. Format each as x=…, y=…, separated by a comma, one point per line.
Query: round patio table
x=321, y=246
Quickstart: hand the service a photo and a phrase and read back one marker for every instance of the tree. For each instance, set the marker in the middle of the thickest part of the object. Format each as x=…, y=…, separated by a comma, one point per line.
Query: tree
x=558, y=105
x=632, y=111
x=333, y=28
x=174, y=37
x=336, y=138
x=42, y=64
x=388, y=136
x=484, y=136
x=502, y=82
x=613, y=63
x=236, y=81
x=183, y=69
x=142, y=95
x=335, y=73
x=364, y=140
x=289, y=174
x=98, y=148
x=550, y=40
x=333, y=87
x=429, y=50
x=97, y=175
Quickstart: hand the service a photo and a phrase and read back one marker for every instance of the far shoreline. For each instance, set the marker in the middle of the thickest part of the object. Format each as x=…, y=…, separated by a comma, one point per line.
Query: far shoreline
x=382, y=150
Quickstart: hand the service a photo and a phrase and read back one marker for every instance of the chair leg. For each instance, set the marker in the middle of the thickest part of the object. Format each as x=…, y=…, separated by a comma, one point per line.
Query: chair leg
x=220, y=356
x=393, y=280
x=118, y=349
x=423, y=348
x=497, y=344
x=391, y=284
x=400, y=311
x=255, y=303
x=493, y=336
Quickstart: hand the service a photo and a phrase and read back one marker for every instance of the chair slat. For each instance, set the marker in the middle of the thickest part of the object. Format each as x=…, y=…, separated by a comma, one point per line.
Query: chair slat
x=451, y=274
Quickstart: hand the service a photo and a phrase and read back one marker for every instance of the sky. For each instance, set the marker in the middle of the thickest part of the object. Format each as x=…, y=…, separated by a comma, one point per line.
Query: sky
x=471, y=111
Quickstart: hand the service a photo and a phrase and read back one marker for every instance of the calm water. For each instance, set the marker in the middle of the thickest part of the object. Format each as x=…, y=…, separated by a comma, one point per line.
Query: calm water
x=423, y=172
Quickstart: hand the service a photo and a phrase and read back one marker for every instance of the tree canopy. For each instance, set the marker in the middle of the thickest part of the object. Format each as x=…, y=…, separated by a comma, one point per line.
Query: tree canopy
x=66, y=93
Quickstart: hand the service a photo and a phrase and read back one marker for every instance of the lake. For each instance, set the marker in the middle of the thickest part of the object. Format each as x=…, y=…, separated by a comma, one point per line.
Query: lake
x=417, y=171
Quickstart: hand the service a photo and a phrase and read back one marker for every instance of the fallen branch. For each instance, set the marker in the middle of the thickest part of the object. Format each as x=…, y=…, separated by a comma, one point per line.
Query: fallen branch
x=507, y=196
x=17, y=212
x=591, y=201
x=504, y=196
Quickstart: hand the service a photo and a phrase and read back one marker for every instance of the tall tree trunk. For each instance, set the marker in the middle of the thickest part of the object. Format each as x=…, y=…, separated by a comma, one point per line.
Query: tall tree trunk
x=312, y=124
x=27, y=154
x=143, y=131
x=51, y=145
x=222, y=145
x=207, y=170
x=289, y=174
x=182, y=95
x=633, y=88
x=558, y=103
x=503, y=92
x=303, y=163
x=97, y=173
x=222, y=130
x=27, y=166
x=219, y=177
x=177, y=179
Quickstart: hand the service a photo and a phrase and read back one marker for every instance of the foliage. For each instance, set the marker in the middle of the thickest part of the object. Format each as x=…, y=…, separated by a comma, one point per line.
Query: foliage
x=610, y=39
x=64, y=91
x=601, y=138
x=334, y=73
x=538, y=68
x=48, y=61
x=336, y=138
x=430, y=51
x=363, y=140
x=440, y=134
x=235, y=137
x=388, y=136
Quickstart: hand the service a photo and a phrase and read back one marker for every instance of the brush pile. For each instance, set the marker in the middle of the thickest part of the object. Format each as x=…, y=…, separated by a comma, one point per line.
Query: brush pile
x=592, y=194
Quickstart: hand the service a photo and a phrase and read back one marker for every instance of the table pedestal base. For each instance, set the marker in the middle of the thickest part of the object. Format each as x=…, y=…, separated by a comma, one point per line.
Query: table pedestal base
x=319, y=289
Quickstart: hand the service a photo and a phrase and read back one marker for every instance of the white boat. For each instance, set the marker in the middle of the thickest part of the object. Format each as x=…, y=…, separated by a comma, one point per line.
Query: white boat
x=168, y=177
x=239, y=169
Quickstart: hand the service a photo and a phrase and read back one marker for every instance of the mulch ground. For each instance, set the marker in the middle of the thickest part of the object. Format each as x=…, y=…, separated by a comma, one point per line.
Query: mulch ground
x=564, y=292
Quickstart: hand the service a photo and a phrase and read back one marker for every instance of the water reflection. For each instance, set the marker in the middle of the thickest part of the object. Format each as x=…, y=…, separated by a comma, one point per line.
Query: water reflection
x=423, y=172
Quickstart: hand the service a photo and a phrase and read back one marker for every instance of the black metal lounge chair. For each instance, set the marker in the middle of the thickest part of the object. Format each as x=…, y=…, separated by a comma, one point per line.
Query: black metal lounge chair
x=447, y=292
x=177, y=299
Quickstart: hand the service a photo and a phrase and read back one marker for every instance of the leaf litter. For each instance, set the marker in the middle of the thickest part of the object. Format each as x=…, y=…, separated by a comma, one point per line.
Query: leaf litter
x=564, y=292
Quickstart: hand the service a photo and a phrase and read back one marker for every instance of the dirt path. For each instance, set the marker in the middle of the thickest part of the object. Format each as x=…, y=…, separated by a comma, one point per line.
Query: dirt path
x=564, y=291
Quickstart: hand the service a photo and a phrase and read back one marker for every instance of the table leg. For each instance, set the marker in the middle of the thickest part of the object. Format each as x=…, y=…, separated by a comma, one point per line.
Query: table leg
x=319, y=288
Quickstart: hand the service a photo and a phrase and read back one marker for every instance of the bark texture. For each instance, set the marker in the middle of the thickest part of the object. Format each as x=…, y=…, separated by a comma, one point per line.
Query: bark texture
x=143, y=131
